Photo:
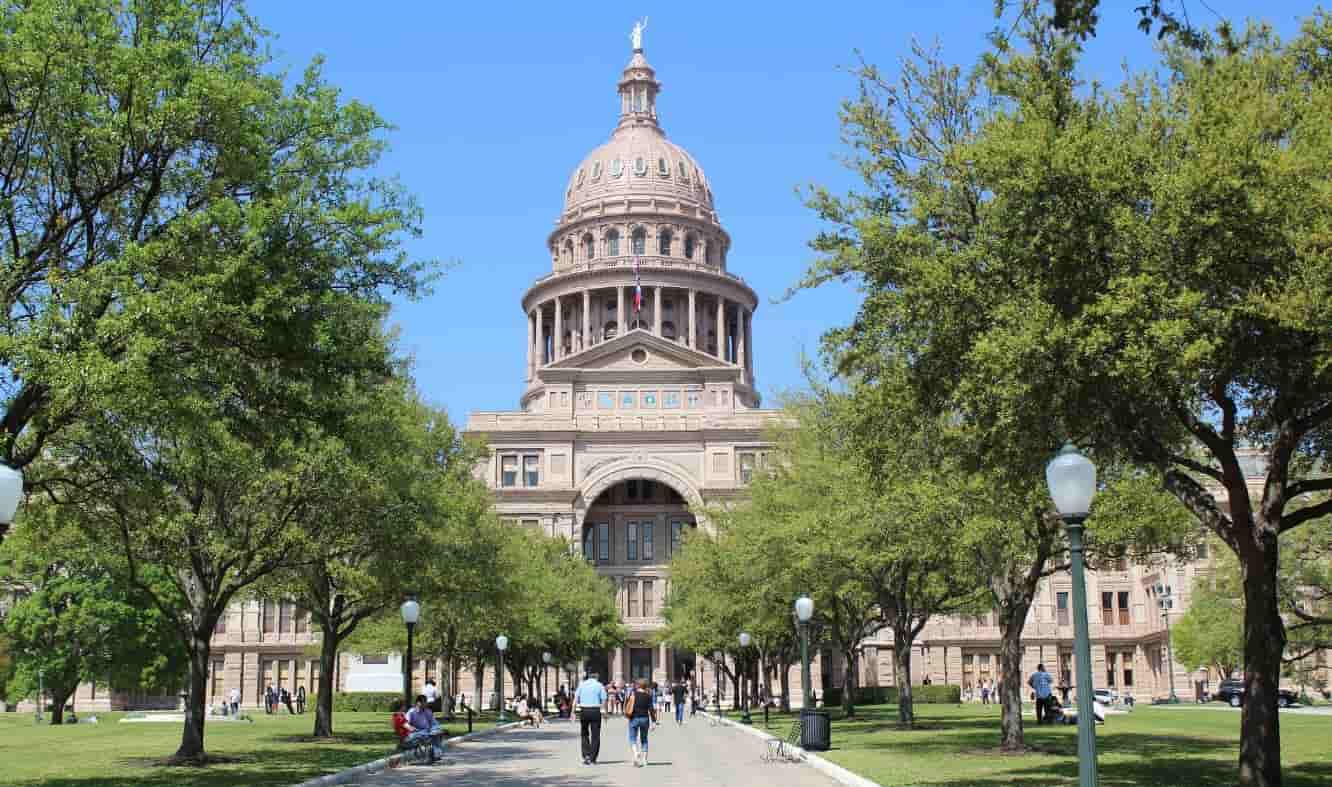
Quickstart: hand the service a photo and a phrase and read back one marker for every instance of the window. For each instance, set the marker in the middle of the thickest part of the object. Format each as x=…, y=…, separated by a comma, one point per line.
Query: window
x=268, y=616
x=632, y=598
x=1061, y=608
x=531, y=472
x=640, y=166
x=606, y=399
x=639, y=241
x=568, y=252
x=587, y=544
x=589, y=247
x=627, y=400
x=596, y=170
x=690, y=242
x=746, y=467
x=581, y=174
x=646, y=529
x=631, y=540
x=611, y=329
x=631, y=489
x=612, y=243
x=647, y=598
x=216, y=674
x=302, y=621
x=663, y=169
x=603, y=541
x=509, y=471
x=664, y=243
x=1107, y=608
x=692, y=399
x=668, y=330
x=284, y=617
x=649, y=487
x=1066, y=669
x=677, y=532
x=684, y=172
x=374, y=658
x=616, y=168
x=670, y=400
x=1126, y=662
x=1110, y=670
x=650, y=399
x=1125, y=615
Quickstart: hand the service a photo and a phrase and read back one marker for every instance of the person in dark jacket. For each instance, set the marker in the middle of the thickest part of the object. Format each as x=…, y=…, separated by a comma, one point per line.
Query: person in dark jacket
x=300, y=699
x=641, y=711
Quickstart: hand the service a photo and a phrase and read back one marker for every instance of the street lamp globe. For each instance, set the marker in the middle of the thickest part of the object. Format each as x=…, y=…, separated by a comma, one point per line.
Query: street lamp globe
x=545, y=656
x=11, y=493
x=804, y=609
x=1072, y=481
x=502, y=642
x=411, y=611
x=744, y=639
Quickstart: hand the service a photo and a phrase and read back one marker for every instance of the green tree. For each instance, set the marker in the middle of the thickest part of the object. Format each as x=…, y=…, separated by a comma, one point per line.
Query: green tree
x=74, y=620
x=1211, y=632
x=1080, y=264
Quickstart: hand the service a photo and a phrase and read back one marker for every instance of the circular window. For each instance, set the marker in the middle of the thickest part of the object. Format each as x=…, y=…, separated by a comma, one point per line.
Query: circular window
x=639, y=355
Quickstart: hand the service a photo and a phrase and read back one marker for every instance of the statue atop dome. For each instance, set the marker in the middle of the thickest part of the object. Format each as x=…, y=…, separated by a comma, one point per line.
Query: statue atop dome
x=636, y=35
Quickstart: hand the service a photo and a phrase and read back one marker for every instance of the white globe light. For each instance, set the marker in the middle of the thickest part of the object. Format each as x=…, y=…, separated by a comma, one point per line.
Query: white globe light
x=11, y=493
x=411, y=611
x=1072, y=481
x=545, y=656
x=744, y=639
x=804, y=608
x=502, y=642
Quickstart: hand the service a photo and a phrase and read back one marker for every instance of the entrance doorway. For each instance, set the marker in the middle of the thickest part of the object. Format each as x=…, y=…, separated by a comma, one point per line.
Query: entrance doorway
x=598, y=662
x=640, y=663
x=682, y=666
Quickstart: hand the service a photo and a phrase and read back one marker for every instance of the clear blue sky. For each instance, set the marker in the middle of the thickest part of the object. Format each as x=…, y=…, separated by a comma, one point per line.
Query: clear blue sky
x=495, y=106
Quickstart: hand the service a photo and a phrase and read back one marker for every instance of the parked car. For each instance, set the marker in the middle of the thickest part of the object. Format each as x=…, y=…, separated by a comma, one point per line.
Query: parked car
x=1106, y=696
x=1232, y=691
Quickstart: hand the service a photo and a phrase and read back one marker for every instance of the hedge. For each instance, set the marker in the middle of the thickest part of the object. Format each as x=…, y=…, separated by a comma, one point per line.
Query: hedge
x=363, y=701
x=887, y=695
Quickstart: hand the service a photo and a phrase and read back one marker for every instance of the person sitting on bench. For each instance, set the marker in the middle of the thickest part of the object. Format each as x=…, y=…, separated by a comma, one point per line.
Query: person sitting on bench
x=419, y=725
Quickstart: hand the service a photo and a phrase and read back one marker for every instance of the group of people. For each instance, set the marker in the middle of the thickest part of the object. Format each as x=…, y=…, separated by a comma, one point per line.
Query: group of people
x=274, y=697
x=1049, y=710
x=418, y=724
x=639, y=702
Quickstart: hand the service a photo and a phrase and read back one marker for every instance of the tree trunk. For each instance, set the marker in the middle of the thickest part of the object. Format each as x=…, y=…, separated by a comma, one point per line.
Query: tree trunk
x=785, y=679
x=1011, y=737
x=58, y=699
x=1264, y=642
x=849, y=685
x=906, y=709
x=479, y=673
x=735, y=689
x=328, y=659
x=192, y=736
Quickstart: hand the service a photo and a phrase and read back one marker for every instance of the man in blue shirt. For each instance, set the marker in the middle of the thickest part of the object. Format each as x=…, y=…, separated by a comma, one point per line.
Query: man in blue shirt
x=589, y=697
x=1040, y=682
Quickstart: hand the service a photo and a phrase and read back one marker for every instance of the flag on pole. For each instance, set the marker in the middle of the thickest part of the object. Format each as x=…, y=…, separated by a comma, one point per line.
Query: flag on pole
x=638, y=290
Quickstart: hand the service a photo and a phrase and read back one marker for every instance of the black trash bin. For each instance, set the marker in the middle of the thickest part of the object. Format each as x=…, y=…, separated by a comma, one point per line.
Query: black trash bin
x=815, y=731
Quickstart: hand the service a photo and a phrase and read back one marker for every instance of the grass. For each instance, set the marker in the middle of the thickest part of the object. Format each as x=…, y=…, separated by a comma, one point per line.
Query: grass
x=1151, y=746
x=274, y=750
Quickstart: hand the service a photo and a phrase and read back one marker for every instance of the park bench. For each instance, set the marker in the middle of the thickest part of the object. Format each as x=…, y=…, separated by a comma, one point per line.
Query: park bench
x=417, y=750
x=788, y=748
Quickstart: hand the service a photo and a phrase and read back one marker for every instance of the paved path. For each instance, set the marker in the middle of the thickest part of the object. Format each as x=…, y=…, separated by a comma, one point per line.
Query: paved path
x=696, y=754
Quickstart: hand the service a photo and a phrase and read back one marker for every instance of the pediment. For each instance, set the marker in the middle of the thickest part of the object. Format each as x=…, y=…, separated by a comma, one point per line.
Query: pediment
x=639, y=350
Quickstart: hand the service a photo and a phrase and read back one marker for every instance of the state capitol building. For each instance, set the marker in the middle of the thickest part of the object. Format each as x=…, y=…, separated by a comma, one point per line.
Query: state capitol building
x=640, y=407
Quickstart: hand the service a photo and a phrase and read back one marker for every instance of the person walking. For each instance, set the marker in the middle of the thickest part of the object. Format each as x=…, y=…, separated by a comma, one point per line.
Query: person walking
x=300, y=699
x=432, y=696
x=588, y=698
x=678, y=692
x=286, y=700
x=985, y=692
x=641, y=712
x=235, y=701
x=270, y=699
x=1040, y=682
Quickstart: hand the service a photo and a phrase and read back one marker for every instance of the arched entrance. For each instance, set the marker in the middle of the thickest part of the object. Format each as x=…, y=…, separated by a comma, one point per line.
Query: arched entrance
x=637, y=523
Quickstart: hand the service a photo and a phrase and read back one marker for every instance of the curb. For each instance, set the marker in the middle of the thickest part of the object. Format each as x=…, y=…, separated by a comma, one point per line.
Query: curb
x=830, y=769
x=395, y=760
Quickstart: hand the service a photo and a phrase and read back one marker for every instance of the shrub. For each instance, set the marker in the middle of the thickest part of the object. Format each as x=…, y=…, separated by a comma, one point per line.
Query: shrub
x=362, y=701
x=881, y=695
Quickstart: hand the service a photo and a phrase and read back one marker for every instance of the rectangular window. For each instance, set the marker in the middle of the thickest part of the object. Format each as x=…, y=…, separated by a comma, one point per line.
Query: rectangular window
x=627, y=400
x=1107, y=608
x=633, y=599
x=1065, y=669
x=298, y=672
x=649, y=490
x=374, y=658
x=269, y=616
x=1110, y=670
x=1126, y=660
x=677, y=532
x=650, y=399
x=508, y=471
x=284, y=617
x=631, y=489
x=531, y=471
x=1125, y=615
x=605, y=400
x=647, y=598
x=670, y=400
x=1061, y=608
x=646, y=529
x=631, y=540
x=588, y=552
x=693, y=399
x=603, y=541
x=215, y=678
x=302, y=621
x=746, y=467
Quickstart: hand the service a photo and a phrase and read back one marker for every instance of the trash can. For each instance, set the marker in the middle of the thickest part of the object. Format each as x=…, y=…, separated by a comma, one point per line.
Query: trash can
x=815, y=731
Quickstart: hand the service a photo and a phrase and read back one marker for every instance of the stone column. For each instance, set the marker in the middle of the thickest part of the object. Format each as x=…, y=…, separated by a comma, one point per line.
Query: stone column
x=621, y=318
x=617, y=665
x=740, y=355
x=693, y=328
x=531, y=341
x=721, y=328
x=587, y=319
x=556, y=351
x=749, y=346
x=656, y=310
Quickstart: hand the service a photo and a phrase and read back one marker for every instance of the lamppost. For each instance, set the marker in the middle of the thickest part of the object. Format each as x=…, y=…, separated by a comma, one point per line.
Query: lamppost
x=411, y=612
x=1072, y=481
x=1166, y=601
x=804, y=610
x=740, y=661
x=545, y=659
x=501, y=644
x=11, y=493
x=41, y=695
x=716, y=679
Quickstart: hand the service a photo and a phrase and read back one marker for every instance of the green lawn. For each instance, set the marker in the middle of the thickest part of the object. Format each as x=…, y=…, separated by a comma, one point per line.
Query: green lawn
x=274, y=750
x=1150, y=746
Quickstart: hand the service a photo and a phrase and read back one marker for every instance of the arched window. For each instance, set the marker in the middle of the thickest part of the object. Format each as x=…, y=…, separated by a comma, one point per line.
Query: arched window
x=663, y=169
x=690, y=241
x=668, y=330
x=664, y=243
x=568, y=252
x=613, y=243
x=589, y=247
x=611, y=329
x=639, y=241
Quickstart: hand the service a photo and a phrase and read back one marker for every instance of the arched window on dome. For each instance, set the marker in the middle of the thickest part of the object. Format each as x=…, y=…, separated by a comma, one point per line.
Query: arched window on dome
x=568, y=252
x=639, y=241
x=613, y=243
x=664, y=243
x=668, y=330
x=589, y=247
x=691, y=240
x=663, y=169
x=612, y=328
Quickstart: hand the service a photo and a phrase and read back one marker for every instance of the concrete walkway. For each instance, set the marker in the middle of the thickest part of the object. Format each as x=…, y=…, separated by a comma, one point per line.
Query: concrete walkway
x=696, y=754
